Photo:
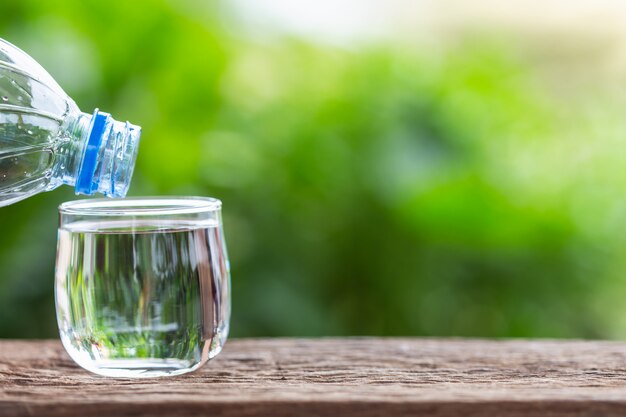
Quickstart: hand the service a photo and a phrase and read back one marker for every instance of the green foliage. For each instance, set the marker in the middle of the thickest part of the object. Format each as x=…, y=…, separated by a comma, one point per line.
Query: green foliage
x=378, y=191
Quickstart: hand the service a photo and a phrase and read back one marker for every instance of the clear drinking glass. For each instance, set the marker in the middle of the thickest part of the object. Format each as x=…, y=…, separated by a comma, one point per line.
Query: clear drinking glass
x=142, y=284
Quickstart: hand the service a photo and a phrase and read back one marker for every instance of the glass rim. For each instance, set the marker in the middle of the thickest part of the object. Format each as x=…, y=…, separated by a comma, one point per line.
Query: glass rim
x=140, y=206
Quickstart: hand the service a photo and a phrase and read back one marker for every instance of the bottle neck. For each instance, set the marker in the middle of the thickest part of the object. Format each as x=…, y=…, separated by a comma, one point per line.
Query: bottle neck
x=97, y=154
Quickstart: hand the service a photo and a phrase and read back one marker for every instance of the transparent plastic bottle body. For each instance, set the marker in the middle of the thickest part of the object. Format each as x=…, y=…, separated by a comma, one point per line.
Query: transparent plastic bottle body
x=46, y=141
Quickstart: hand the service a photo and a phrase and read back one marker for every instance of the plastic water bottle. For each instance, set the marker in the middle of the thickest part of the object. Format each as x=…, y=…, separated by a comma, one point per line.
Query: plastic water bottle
x=46, y=141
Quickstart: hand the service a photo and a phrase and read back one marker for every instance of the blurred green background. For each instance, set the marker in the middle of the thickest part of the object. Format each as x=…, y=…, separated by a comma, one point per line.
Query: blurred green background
x=461, y=174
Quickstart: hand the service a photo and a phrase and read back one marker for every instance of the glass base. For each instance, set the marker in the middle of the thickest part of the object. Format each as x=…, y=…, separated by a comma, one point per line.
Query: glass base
x=141, y=368
x=94, y=361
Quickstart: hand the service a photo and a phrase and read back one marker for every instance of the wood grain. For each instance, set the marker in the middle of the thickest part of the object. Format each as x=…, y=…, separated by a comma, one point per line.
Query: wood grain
x=327, y=377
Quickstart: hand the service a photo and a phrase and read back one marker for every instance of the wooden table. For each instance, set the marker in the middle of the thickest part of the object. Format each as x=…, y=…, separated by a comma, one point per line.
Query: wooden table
x=334, y=377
